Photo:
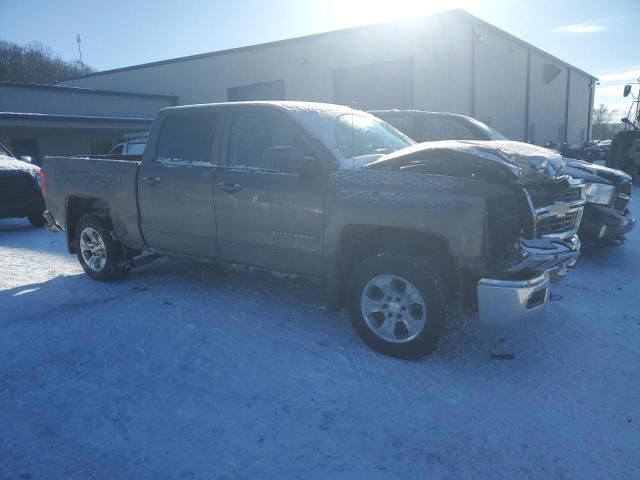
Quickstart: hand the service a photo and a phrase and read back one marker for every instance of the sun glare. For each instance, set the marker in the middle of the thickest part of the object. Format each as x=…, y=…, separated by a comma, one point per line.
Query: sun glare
x=358, y=12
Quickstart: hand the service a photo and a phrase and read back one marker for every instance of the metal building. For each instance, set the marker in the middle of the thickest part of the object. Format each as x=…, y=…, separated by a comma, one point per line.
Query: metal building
x=450, y=61
x=39, y=120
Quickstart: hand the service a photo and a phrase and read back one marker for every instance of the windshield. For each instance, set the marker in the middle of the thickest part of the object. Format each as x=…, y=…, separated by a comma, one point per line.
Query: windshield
x=488, y=132
x=360, y=135
x=436, y=127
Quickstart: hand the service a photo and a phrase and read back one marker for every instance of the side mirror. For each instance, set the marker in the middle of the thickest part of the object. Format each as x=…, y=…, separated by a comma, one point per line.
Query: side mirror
x=25, y=158
x=290, y=159
x=627, y=90
x=624, y=120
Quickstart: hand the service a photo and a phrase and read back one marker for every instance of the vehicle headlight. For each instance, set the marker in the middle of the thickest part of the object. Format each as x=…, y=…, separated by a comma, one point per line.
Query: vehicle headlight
x=599, y=193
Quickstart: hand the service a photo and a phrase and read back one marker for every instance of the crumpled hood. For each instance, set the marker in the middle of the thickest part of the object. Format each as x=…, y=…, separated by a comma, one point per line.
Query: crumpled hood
x=593, y=173
x=528, y=163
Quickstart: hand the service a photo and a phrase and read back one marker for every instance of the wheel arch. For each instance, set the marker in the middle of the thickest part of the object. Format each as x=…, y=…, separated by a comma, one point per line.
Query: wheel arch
x=76, y=208
x=358, y=241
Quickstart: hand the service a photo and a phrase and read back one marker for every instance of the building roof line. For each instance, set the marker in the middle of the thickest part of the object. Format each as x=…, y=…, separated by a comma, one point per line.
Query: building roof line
x=459, y=12
x=80, y=118
x=523, y=43
x=65, y=88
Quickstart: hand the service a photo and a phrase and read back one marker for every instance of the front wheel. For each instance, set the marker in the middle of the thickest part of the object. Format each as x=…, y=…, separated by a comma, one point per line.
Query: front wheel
x=398, y=305
x=101, y=256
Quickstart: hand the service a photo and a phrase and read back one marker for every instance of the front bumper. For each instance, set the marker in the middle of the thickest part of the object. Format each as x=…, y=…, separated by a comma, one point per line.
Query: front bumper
x=503, y=303
x=601, y=223
x=507, y=301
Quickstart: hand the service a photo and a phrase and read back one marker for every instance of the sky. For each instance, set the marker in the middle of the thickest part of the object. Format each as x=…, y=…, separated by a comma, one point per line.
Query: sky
x=600, y=37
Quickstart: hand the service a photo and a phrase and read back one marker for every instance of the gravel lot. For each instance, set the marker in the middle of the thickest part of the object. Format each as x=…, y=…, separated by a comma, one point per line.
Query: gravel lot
x=188, y=371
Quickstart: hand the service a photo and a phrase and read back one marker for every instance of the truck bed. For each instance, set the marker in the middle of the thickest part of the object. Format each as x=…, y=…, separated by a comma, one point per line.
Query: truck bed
x=111, y=179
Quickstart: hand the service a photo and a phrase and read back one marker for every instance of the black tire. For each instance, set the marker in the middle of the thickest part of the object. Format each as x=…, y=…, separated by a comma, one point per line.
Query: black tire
x=116, y=265
x=425, y=278
x=37, y=220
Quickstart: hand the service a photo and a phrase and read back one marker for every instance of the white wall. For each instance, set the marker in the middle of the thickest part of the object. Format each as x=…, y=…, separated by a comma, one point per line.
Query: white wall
x=579, y=95
x=441, y=47
x=548, y=100
x=500, y=83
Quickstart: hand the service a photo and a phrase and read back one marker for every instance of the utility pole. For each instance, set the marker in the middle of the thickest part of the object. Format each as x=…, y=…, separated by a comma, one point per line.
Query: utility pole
x=79, y=40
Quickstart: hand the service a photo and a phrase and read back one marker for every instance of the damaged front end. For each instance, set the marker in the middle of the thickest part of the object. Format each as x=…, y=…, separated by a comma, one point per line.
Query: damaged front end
x=521, y=280
x=531, y=232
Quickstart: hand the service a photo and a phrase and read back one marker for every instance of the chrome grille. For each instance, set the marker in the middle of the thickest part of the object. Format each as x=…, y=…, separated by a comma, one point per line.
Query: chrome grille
x=560, y=213
x=558, y=224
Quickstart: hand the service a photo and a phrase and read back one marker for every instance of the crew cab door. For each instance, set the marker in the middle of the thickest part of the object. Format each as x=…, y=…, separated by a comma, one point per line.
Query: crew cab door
x=269, y=213
x=175, y=184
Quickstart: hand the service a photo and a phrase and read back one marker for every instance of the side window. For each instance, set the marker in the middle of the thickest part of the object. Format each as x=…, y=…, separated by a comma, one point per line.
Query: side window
x=405, y=124
x=253, y=134
x=187, y=137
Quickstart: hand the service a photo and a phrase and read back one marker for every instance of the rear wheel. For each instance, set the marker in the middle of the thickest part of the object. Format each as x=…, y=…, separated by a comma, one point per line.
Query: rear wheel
x=102, y=257
x=37, y=220
x=398, y=305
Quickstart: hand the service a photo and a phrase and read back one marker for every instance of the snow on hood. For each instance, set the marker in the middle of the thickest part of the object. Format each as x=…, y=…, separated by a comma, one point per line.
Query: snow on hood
x=524, y=160
x=9, y=163
x=594, y=173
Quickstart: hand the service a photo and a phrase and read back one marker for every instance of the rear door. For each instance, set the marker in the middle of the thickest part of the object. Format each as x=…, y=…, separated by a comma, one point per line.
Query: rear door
x=266, y=215
x=175, y=184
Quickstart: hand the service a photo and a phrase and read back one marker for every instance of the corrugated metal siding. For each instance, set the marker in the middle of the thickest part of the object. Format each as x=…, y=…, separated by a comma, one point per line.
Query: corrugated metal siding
x=500, y=83
x=579, y=97
x=306, y=67
x=548, y=98
x=443, y=68
x=65, y=102
x=442, y=50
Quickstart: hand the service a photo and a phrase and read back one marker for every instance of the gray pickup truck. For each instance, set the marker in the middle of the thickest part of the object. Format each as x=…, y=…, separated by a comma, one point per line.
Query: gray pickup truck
x=395, y=230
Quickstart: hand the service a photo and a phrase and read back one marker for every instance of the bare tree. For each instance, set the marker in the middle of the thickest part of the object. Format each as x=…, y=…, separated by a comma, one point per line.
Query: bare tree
x=602, y=115
x=605, y=124
x=35, y=63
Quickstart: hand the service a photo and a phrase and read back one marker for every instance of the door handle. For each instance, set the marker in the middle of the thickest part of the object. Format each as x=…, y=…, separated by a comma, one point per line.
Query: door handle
x=230, y=187
x=150, y=180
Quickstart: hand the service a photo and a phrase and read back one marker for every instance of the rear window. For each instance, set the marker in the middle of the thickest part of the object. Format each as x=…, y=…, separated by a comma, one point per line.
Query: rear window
x=187, y=137
x=444, y=127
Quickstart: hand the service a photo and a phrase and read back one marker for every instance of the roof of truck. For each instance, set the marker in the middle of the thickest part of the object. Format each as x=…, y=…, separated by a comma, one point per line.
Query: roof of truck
x=281, y=104
x=416, y=113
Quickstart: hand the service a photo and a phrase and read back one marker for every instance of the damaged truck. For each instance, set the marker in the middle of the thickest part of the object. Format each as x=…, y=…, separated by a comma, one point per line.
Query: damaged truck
x=272, y=184
x=607, y=218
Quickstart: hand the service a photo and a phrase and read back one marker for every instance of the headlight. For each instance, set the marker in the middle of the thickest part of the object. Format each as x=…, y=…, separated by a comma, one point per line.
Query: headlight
x=599, y=193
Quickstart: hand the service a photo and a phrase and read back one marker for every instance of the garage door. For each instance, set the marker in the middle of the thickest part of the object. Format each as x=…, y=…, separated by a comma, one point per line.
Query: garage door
x=257, y=91
x=381, y=85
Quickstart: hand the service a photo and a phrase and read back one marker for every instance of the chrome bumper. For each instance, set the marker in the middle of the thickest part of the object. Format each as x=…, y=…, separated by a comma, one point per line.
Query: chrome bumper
x=504, y=303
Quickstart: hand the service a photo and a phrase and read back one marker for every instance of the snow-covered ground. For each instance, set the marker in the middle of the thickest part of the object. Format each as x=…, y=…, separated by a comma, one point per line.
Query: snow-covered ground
x=188, y=371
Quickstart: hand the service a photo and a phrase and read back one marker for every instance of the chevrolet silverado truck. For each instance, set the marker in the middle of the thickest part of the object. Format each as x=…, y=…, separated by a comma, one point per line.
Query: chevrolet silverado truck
x=607, y=218
x=273, y=185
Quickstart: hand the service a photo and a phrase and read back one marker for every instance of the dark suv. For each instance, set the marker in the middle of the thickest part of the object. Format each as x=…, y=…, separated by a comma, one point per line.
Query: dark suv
x=20, y=194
